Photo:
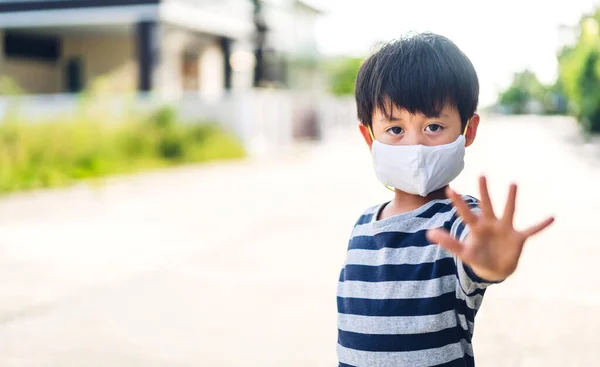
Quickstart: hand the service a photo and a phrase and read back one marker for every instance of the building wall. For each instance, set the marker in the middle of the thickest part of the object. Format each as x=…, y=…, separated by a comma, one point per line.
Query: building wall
x=107, y=58
x=216, y=18
x=175, y=44
x=32, y=76
x=212, y=72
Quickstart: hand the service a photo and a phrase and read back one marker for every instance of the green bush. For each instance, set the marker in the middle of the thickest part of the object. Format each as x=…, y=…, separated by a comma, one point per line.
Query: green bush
x=579, y=67
x=56, y=153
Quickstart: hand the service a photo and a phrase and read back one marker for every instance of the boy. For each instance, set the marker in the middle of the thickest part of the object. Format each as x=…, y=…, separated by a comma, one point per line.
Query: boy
x=417, y=266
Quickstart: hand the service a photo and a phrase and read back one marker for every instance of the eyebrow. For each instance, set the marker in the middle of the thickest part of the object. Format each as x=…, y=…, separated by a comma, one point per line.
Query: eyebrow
x=396, y=119
x=391, y=119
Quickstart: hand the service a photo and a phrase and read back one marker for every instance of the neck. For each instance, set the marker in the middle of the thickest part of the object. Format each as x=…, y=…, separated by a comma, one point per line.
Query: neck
x=404, y=202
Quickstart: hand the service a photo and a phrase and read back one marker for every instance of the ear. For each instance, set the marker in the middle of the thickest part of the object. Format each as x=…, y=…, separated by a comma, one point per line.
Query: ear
x=364, y=130
x=472, y=130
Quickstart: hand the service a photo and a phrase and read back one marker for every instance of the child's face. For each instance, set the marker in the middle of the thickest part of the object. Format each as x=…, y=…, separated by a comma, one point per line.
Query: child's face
x=406, y=129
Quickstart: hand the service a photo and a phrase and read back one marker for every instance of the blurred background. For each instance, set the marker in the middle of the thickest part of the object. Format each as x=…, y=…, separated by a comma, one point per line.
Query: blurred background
x=179, y=178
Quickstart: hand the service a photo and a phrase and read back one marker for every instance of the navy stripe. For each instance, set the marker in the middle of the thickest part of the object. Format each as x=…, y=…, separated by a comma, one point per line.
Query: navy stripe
x=466, y=361
x=364, y=219
x=462, y=308
x=388, y=273
x=342, y=275
x=401, y=342
x=478, y=291
x=344, y=365
x=474, y=277
x=435, y=209
x=470, y=204
x=456, y=216
x=471, y=199
x=389, y=240
x=398, y=307
x=445, y=207
x=459, y=230
x=405, y=307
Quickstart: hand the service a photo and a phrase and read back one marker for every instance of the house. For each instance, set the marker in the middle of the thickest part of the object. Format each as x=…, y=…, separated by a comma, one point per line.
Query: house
x=168, y=47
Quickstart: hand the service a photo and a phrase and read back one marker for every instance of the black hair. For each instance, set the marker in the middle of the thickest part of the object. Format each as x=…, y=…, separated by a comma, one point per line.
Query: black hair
x=418, y=73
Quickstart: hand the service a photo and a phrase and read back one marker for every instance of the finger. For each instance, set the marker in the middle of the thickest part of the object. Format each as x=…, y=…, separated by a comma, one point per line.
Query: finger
x=509, y=209
x=461, y=207
x=486, y=203
x=443, y=238
x=538, y=227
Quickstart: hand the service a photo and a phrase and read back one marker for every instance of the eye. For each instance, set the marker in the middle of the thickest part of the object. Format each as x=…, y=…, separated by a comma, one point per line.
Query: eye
x=395, y=130
x=434, y=128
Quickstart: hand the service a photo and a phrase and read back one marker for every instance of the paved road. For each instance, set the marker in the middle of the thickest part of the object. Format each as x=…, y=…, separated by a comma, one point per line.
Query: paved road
x=236, y=264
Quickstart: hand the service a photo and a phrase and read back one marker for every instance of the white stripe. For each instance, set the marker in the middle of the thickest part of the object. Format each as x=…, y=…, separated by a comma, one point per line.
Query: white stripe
x=473, y=302
x=468, y=284
x=397, y=256
x=454, y=227
x=402, y=325
x=405, y=289
x=408, y=225
x=420, y=358
x=372, y=209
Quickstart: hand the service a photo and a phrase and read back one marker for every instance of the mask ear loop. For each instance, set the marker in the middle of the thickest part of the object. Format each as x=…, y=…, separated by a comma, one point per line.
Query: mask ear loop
x=466, y=127
x=373, y=141
x=371, y=133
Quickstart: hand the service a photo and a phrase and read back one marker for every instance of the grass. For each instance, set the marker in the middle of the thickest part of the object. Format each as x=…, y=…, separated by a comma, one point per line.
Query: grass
x=60, y=152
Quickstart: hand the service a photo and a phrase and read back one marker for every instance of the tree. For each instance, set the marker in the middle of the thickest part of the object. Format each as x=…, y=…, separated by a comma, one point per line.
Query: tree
x=525, y=88
x=579, y=73
x=342, y=75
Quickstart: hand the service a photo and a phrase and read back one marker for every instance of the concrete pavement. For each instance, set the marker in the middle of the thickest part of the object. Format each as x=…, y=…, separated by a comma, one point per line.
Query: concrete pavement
x=236, y=264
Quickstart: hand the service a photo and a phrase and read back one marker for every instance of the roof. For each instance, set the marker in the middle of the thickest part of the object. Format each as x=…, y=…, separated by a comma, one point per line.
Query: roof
x=20, y=6
x=308, y=6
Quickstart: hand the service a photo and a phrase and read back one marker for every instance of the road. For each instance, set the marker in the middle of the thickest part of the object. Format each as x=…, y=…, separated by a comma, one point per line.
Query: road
x=236, y=264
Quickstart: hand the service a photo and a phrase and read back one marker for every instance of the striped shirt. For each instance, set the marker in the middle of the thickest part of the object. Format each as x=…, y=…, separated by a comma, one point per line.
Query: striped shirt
x=403, y=301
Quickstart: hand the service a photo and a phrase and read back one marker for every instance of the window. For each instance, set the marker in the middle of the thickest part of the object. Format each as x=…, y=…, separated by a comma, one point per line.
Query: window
x=29, y=46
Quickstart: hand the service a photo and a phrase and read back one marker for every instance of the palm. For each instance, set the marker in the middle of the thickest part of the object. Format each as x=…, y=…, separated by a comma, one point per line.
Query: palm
x=493, y=246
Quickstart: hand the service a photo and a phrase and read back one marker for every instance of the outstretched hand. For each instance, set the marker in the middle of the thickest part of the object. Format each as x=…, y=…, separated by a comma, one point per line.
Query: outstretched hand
x=493, y=247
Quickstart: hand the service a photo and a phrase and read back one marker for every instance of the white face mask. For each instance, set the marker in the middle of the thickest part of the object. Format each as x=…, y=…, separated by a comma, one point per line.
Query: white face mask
x=418, y=169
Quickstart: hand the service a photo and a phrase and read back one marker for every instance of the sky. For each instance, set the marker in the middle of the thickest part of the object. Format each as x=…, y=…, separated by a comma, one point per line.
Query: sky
x=500, y=37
